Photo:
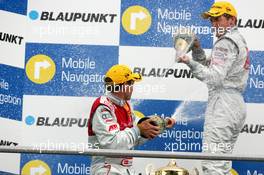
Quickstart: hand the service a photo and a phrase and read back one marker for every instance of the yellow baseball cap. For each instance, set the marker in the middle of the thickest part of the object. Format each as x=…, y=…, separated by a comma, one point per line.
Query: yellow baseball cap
x=220, y=8
x=119, y=74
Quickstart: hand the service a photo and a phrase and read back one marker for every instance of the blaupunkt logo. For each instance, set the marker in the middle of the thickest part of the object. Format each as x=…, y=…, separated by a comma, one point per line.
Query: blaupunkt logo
x=30, y=120
x=33, y=15
x=253, y=129
x=7, y=143
x=36, y=167
x=11, y=38
x=163, y=72
x=56, y=122
x=251, y=23
x=40, y=69
x=136, y=20
x=72, y=16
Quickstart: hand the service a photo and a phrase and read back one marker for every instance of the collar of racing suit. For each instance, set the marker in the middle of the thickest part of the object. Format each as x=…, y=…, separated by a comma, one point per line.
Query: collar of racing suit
x=232, y=29
x=116, y=100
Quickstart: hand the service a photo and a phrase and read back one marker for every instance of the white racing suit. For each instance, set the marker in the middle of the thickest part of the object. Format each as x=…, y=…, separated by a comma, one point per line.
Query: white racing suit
x=225, y=72
x=111, y=127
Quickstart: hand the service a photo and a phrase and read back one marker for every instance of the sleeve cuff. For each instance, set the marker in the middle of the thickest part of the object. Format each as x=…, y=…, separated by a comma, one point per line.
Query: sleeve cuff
x=192, y=64
x=136, y=131
x=198, y=54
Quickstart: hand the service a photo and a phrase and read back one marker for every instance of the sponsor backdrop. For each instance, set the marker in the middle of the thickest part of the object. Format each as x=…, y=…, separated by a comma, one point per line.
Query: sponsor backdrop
x=54, y=55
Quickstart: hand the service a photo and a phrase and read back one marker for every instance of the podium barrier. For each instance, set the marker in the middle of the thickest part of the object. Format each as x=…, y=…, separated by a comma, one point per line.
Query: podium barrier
x=136, y=153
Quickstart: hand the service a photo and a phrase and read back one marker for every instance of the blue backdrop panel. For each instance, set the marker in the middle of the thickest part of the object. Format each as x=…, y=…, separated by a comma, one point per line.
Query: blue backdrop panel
x=186, y=135
x=11, y=92
x=60, y=164
x=71, y=80
x=162, y=12
x=15, y=6
x=254, y=92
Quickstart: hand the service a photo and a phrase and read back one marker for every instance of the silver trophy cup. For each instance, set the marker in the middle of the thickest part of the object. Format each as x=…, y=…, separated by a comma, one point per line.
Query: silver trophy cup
x=183, y=40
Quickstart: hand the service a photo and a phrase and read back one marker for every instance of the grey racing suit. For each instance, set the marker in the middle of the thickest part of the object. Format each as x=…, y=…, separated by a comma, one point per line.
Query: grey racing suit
x=112, y=129
x=225, y=72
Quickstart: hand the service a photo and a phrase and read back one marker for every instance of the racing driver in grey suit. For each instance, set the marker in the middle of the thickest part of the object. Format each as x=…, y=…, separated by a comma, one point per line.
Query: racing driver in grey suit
x=225, y=72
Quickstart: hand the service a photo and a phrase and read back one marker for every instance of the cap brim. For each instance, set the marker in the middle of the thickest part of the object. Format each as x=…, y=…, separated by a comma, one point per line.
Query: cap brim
x=136, y=77
x=211, y=13
x=205, y=15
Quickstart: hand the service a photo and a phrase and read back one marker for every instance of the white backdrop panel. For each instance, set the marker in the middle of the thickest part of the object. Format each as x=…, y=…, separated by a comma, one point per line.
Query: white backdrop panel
x=148, y=60
x=48, y=113
x=12, y=53
x=76, y=31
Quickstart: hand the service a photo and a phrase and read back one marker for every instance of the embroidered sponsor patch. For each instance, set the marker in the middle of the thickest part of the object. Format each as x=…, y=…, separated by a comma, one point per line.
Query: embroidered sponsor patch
x=104, y=110
x=219, y=55
x=104, y=100
x=221, y=49
x=113, y=127
x=106, y=116
x=127, y=162
x=217, y=61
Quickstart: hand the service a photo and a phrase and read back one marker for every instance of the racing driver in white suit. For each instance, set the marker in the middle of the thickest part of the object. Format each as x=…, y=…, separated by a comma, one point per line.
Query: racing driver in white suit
x=225, y=72
x=113, y=124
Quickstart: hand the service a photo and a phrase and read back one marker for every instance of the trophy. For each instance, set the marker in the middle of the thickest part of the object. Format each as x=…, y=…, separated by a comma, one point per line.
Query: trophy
x=183, y=40
x=170, y=169
x=160, y=122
